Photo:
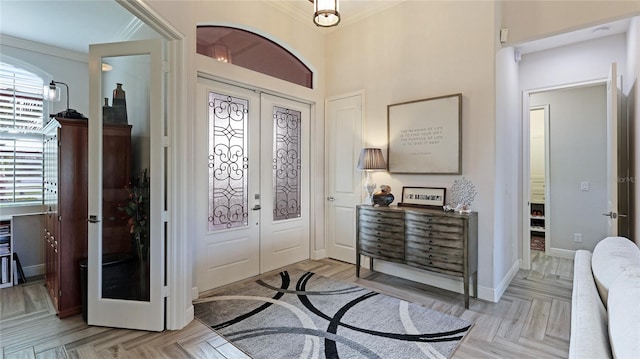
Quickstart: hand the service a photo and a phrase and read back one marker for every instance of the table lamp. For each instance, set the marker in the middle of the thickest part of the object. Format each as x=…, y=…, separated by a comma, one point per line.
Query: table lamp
x=371, y=160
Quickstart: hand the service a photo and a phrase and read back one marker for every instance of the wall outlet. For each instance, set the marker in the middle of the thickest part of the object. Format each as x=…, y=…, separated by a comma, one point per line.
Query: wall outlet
x=584, y=186
x=577, y=237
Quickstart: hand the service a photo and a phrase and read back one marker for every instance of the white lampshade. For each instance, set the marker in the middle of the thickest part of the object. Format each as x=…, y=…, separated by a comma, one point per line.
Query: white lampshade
x=326, y=13
x=371, y=159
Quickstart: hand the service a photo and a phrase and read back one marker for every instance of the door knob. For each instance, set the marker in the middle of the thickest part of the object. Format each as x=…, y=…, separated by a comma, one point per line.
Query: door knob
x=613, y=215
x=256, y=207
x=331, y=198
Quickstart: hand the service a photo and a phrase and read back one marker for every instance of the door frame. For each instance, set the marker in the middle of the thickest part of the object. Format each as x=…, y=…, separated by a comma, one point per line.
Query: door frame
x=207, y=72
x=526, y=188
x=179, y=307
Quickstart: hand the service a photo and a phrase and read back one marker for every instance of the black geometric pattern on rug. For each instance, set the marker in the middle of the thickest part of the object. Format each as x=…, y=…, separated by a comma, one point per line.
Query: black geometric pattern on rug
x=257, y=317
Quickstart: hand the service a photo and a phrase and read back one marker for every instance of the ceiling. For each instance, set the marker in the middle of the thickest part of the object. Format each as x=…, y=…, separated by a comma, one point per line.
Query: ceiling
x=590, y=33
x=70, y=25
x=76, y=24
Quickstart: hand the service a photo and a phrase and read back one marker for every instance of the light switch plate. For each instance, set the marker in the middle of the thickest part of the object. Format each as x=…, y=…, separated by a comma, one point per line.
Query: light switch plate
x=584, y=186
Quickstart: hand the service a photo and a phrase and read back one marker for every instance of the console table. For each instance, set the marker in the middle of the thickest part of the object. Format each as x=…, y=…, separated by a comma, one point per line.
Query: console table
x=429, y=239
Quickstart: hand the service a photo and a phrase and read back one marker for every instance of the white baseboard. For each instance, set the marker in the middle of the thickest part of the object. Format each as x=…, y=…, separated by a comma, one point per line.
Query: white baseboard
x=429, y=278
x=33, y=271
x=562, y=253
x=315, y=255
x=194, y=293
x=189, y=315
x=504, y=283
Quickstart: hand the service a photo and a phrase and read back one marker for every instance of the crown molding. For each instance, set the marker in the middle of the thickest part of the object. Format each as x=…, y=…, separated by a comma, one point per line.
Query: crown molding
x=45, y=49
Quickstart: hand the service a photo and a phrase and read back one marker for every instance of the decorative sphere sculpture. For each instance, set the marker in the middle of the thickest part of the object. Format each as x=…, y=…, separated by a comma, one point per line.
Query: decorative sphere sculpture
x=383, y=197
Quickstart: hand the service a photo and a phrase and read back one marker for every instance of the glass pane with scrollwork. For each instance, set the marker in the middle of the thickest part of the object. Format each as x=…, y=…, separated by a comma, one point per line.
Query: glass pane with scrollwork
x=228, y=162
x=286, y=163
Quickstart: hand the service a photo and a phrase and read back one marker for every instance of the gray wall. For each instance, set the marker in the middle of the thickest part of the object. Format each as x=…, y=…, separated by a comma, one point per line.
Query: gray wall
x=577, y=134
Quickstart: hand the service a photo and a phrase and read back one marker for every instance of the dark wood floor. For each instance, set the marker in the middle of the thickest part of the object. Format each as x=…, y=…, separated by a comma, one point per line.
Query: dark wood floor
x=531, y=320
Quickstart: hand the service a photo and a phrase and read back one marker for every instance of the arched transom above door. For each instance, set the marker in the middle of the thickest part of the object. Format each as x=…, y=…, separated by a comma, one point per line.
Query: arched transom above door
x=252, y=51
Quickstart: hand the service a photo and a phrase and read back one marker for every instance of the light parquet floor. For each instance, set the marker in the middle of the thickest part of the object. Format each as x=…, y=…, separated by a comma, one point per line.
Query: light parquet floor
x=531, y=320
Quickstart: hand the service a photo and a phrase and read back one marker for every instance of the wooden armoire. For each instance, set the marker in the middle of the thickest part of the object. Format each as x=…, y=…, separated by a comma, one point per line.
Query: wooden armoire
x=65, y=195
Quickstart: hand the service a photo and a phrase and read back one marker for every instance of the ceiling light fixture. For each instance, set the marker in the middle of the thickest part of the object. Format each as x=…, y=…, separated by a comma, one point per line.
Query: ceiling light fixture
x=221, y=53
x=326, y=13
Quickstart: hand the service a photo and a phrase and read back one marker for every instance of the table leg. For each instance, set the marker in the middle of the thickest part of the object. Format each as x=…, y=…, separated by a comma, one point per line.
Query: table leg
x=466, y=292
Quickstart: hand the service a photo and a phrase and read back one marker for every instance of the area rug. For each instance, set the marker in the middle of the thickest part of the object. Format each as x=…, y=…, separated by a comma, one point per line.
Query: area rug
x=298, y=314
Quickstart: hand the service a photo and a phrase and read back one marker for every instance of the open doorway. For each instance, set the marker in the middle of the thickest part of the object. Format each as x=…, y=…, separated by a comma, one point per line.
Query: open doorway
x=568, y=168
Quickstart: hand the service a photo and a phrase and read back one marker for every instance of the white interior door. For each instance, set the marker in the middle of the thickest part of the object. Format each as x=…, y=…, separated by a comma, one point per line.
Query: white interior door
x=127, y=220
x=612, y=151
x=344, y=141
x=284, y=225
x=228, y=179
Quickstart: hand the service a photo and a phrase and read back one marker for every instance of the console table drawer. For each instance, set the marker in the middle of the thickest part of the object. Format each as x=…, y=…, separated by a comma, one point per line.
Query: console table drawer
x=381, y=238
x=436, y=239
x=427, y=227
x=373, y=218
x=427, y=220
x=382, y=251
x=416, y=247
x=454, y=257
x=393, y=227
x=438, y=266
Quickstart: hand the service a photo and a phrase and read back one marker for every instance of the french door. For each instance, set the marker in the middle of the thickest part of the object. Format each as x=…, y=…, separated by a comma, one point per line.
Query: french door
x=253, y=183
x=127, y=206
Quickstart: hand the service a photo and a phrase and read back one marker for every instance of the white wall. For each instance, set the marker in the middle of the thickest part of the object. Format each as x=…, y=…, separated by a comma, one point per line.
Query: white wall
x=303, y=39
x=577, y=153
x=537, y=150
x=508, y=178
x=61, y=65
x=584, y=61
x=633, y=103
x=28, y=243
x=418, y=50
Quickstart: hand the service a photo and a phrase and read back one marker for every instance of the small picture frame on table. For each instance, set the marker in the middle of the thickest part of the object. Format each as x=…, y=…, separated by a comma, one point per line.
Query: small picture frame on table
x=426, y=197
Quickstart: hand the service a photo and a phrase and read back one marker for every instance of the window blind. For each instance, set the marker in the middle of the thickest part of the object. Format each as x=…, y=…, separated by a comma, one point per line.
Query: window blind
x=21, y=122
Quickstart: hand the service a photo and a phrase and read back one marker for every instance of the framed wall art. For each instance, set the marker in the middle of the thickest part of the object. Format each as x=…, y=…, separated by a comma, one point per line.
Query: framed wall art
x=425, y=136
x=430, y=197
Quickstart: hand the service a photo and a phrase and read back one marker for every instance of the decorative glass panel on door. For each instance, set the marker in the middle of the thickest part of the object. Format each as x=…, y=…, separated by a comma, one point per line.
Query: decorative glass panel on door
x=286, y=163
x=126, y=202
x=228, y=162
